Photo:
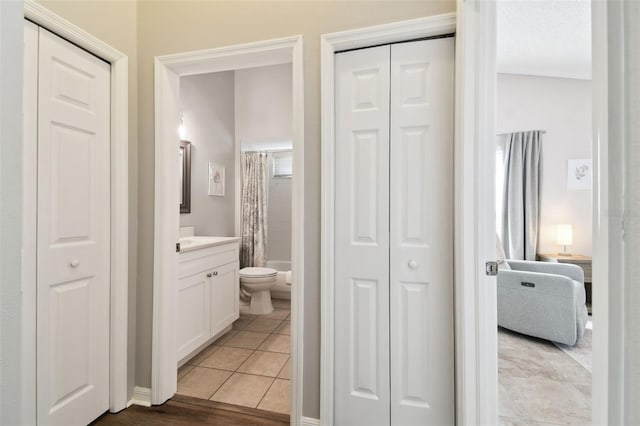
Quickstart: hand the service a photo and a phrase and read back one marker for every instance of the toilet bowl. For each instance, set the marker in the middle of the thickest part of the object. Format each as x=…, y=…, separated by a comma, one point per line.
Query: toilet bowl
x=257, y=282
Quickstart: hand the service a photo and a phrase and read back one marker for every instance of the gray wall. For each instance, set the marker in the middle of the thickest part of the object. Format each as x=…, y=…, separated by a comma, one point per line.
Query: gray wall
x=562, y=107
x=263, y=114
x=207, y=105
x=278, y=216
x=11, y=36
x=263, y=98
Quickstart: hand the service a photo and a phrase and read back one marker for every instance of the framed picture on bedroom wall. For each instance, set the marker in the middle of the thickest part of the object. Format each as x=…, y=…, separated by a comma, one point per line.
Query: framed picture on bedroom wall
x=579, y=174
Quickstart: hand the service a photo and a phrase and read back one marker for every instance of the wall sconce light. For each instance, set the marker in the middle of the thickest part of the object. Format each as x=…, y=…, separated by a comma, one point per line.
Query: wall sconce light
x=564, y=237
x=182, y=132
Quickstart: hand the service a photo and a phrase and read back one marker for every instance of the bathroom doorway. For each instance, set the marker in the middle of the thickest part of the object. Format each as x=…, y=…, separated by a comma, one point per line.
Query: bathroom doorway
x=237, y=352
x=234, y=346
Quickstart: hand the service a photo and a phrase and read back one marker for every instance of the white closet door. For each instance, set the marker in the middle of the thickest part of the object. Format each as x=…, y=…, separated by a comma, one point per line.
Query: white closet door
x=362, y=238
x=73, y=234
x=421, y=238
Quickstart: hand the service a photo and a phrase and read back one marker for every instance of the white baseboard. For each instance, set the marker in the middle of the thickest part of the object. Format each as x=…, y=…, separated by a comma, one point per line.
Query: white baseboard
x=309, y=421
x=141, y=396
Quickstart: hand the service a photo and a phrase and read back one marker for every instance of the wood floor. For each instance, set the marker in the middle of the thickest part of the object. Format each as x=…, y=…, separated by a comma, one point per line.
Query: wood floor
x=184, y=410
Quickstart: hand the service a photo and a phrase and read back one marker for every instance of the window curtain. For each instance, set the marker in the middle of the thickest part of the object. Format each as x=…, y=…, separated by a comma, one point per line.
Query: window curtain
x=521, y=194
x=254, y=209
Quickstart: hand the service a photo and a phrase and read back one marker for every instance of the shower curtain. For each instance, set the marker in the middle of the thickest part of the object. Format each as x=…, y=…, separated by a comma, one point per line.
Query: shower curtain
x=254, y=209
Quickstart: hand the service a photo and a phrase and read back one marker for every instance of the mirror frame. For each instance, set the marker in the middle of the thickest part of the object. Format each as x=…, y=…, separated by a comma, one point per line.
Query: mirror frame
x=185, y=204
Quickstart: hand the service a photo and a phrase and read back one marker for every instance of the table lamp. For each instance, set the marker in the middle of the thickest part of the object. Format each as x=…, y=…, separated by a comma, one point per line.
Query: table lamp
x=564, y=237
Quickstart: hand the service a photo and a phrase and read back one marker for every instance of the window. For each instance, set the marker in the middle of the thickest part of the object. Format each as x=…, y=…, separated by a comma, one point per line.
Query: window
x=282, y=164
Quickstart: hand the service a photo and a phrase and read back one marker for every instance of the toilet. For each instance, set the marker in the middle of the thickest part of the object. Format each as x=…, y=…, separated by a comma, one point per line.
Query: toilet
x=257, y=283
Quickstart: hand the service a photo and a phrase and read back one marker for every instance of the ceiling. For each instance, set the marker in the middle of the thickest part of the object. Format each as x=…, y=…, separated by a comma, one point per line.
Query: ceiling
x=546, y=38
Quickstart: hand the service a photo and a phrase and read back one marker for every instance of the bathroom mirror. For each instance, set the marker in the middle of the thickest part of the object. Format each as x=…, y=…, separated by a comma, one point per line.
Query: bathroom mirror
x=185, y=177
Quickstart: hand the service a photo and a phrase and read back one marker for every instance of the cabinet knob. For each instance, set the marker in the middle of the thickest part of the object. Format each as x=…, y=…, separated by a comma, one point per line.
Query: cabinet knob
x=215, y=273
x=74, y=263
x=413, y=264
x=209, y=275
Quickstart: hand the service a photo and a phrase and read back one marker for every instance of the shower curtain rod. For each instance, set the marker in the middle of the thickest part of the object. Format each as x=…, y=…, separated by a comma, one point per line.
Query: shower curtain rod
x=267, y=150
x=507, y=133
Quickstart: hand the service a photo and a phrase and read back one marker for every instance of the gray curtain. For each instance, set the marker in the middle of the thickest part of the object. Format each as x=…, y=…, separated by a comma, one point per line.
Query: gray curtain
x=254, y=209
x=521, y=200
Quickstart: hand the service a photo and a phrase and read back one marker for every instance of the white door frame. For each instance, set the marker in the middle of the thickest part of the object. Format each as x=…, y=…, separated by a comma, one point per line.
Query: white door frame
x=476, y=346
x=119, y=221
x=475, y=332
x=168, y=70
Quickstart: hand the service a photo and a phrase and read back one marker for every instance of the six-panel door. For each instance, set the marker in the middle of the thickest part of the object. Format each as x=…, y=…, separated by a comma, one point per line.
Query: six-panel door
x=73, y=254
x=394, y=235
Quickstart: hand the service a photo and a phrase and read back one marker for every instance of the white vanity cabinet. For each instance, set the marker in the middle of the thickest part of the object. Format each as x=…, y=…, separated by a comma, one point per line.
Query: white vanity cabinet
x=207, y=291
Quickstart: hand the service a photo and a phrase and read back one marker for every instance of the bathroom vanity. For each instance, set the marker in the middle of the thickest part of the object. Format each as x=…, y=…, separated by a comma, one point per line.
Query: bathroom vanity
x=208, y=286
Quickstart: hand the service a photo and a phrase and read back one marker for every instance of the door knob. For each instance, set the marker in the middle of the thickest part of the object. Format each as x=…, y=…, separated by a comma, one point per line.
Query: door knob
x=413, y=264
x=74, y=263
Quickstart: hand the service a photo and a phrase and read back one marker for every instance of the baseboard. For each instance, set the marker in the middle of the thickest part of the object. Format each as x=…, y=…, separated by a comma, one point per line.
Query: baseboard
x=309, y=421
x=141, y=396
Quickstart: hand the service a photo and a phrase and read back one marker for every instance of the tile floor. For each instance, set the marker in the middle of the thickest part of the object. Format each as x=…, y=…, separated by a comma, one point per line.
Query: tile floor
x=538, y=384
x=248, y=366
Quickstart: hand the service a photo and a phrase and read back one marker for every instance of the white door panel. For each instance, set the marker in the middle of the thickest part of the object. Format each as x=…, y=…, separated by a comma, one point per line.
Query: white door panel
x=394, y=235
x=362, y=237
x=421, y=242
x=73, y=233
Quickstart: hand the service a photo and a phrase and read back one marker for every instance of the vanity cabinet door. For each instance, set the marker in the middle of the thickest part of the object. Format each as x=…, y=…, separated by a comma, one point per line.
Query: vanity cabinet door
x=224, y=297
x=194, y=313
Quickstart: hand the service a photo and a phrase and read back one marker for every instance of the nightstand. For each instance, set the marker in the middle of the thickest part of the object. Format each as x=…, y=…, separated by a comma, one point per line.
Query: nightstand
x=582, y=261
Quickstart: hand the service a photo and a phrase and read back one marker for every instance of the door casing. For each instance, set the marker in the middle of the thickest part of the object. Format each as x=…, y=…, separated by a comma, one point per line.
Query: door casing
x=475, y=307
x=168, y=69
x=475, y=310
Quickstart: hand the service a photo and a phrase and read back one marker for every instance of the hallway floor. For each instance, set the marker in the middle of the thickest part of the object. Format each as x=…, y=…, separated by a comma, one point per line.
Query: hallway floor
x=539, y=384
x=184, y=410
x=249, y=366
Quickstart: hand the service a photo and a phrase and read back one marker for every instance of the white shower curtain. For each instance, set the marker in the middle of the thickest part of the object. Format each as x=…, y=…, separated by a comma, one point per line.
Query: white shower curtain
x=254, y=209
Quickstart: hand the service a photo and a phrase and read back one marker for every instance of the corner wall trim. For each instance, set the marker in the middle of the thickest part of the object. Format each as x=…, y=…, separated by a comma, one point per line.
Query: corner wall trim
x=141, y=396
x=309, y=421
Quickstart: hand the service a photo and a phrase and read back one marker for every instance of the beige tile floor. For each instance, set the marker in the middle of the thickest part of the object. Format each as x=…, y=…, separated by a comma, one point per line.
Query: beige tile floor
x=248, y=366
x=539, y=384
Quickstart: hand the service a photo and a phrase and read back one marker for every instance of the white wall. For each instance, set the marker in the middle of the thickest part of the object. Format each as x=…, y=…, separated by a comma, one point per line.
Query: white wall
x=562, y=107
x=207, y=105
x=263, y=105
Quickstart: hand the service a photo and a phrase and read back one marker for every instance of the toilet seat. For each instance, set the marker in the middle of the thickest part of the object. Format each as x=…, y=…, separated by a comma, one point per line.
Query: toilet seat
x=257, y=272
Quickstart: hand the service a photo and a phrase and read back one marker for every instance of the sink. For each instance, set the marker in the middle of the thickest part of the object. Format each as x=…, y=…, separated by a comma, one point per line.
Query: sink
x=200, y=242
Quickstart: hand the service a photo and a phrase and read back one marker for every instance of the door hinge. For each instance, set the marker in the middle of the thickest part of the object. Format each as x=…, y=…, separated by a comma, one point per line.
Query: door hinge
x=491, y=268
x=177, y=247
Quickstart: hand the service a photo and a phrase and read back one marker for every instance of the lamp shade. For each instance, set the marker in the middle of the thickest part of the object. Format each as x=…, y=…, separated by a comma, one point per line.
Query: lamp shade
x=564, y=235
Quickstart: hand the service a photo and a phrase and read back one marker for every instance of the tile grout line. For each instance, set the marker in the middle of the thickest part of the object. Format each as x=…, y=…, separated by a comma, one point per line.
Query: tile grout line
x=285, y=364
x=267, y=391
x=219, y=387
x=253, y=351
